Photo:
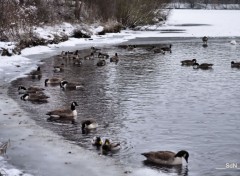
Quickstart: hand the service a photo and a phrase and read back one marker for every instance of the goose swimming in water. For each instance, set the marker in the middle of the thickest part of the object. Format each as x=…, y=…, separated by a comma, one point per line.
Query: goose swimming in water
x=167, y=157
x=35, y=98
x=64, y=114
x=31, y=89
x=188, y=62
x=65, y=85
x=203, y=66
x=235, y=64
x=114, y=58
x=36, y=73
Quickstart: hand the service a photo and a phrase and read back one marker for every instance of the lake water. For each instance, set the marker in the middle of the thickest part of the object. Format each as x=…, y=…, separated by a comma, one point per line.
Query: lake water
x=149, y=102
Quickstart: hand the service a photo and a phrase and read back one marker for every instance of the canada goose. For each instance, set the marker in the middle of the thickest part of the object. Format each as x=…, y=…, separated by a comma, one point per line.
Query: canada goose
x=205, y=39
x=53, y=81
x=101, y=62
x=166, y=157
x=34, y=97
x=58, y=68
x=203, y=66
x=103, y=55
x=94, y=50
x=188, y=62
x=31, y=89
x=114, y=58
x=158, y=50
x=88, y=124
x=235, y=64
x=91, y=56
x=64, y=114
x=97, y=141
x=110, y=146
x=36, y=73
x=167, y=48
x=65, y=85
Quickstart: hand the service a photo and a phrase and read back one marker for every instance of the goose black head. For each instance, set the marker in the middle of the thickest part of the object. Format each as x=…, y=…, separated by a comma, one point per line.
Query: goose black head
x=194, y=60
x=46, y=81
x=63, y=84
x=183, y=154
x=38, y=69
x=74, y=104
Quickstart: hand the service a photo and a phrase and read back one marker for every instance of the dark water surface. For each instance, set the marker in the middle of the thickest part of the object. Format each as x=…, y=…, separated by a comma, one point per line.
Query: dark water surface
x=149, y=102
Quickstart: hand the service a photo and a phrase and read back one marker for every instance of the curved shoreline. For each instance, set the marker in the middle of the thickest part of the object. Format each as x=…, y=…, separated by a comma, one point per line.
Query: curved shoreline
x=36, y=150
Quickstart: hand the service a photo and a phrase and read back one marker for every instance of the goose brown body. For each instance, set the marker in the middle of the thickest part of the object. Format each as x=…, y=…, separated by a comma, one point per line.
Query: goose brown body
x=63, y=114
x=188, y=62
x=166, y=157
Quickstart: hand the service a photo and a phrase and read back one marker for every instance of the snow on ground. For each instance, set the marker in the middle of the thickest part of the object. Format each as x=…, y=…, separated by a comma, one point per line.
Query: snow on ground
x=199, y=23
x=187, y=23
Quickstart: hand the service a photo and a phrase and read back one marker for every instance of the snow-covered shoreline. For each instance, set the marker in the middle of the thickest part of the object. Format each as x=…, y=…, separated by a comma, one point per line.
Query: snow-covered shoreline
x=38, y=142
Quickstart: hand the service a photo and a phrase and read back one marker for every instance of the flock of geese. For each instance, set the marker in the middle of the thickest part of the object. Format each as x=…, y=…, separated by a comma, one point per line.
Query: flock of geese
x=206, y=66
x=36, y=94
x=106, y=145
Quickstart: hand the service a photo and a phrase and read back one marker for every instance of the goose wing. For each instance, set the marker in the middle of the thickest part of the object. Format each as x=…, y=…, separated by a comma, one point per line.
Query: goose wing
x=160, y=156
x=60, y=113
x=34, y=88
x=206, y=65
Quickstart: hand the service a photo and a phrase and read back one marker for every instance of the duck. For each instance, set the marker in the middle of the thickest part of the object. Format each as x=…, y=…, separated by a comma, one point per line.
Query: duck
x=58, y=68
x=88, y=124
x=166, y=157
x=31, y=89
x=103, y=55
x=97, y=141
x=52, y=81
x=36, y=73
x=35, y=97
x=65, y=85
x=203, y=66
x=88, y=57
x=188, y=62
x=114, y=58
x=109, y=146
x=167, y=48
x=235, y=64
x=101, y=62
x=64, y=114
